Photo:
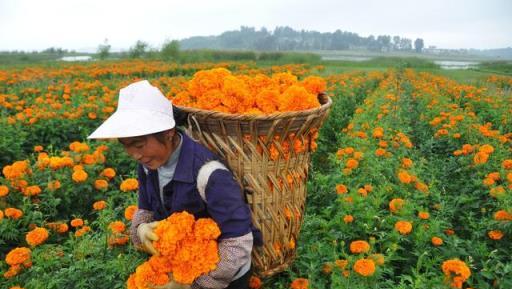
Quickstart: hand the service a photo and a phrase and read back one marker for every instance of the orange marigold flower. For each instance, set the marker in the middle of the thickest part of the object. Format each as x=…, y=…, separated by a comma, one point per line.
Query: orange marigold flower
x=99, y=205
x=18, y=256
x=495, y=234
x=380, y=152
x=327, y=268
x=117, y=227
x=436, y=241
x=1, y=215
x=300, y=283
x=405, y=177
x=423, y=215
x=13, y=213
x=360, y=246
x=480, y=158
x=255, y=282
x=54, y=185
x=352, y=163
x=77, y=223
x=109, y=173
x=4, y=191
x=82, y=231
x=100, y=184
x=502, y=215
x=379, y=259
x=407, y=163
x=341, y=189
x=38, y=148
x=396, y=205
x=129, y=212
x=79, y=176
x=488, y=149
x=31, y=191
x=341, y=263
x=507, y=164
x=457, y=271
x=403, y=227
x=129, y=185
x=37, y=236
x=364, y=267
x=348, y=219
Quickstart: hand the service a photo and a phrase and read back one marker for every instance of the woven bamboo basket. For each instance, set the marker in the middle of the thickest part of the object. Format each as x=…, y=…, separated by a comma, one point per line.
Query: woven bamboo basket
x=269, y=156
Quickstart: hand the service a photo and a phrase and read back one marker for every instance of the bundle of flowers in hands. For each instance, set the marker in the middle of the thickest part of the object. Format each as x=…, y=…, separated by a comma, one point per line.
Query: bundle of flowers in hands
x=187, y=249
x=219, y=90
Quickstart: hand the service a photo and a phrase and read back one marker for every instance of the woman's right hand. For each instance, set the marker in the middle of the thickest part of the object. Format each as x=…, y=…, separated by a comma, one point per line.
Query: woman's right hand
x=147, y=236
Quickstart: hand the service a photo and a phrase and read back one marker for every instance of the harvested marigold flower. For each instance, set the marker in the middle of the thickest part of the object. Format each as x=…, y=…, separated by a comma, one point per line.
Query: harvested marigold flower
x=300, y=283
x=358, y=247
x=364, y=267
x=456, y=271
x=129, y=185
x=403, y=227
x=436, y=241
x=495, y=234
x=37, y=236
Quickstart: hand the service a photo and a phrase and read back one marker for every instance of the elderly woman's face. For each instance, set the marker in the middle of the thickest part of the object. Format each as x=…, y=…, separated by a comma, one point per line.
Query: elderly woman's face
x=148, y=150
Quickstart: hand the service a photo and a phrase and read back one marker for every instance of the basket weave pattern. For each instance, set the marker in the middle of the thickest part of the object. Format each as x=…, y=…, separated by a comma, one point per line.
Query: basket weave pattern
x=260, y=152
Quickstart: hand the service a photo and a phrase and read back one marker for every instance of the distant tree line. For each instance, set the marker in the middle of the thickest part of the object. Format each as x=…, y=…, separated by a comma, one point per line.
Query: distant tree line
x=286, y=39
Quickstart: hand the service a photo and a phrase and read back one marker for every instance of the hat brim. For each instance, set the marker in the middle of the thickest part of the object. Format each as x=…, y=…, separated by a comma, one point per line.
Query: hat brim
x=130, y=123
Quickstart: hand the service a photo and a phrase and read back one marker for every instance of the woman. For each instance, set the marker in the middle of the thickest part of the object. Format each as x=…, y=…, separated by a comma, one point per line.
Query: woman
x=177, y=174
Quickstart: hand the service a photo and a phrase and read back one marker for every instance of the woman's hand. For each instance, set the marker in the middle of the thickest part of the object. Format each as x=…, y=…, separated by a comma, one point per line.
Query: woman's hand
x=147, y=236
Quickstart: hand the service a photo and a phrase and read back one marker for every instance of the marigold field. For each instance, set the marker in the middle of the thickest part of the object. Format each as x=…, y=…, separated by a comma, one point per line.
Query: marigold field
x=410, y=185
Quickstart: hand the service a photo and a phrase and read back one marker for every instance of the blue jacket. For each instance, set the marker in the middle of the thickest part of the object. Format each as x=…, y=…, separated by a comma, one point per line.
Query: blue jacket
x=225, y=202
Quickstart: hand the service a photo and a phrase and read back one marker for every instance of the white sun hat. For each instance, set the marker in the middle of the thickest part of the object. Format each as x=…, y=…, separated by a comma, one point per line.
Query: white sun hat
x=142, y=109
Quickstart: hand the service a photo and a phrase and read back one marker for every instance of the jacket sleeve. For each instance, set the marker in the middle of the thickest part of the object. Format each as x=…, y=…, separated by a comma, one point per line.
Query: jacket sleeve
x=140, y=216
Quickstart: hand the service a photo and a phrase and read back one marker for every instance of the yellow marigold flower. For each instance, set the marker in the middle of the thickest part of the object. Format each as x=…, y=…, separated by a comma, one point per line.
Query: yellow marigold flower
x=436, y=241
x=457, y=271
x=4, y=190
x=495, y=234
x=129, y=212
x=403, y=227
x=37, y=236
x=79, y=176
x=364, y=267
x=129, y=185
x=300, y=283
x=358, y=247
x=99, y=205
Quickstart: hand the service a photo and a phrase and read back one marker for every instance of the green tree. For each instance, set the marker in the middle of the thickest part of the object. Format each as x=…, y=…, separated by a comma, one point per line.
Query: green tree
x=418, y=45
x=170, y=50
x=138, y=50
x=103, y=50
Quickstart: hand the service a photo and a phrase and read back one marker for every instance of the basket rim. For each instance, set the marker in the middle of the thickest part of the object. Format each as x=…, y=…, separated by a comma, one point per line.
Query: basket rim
x=276, y=115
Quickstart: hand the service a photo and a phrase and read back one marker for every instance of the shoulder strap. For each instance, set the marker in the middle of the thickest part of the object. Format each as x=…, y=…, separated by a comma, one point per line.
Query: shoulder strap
x=204, y=175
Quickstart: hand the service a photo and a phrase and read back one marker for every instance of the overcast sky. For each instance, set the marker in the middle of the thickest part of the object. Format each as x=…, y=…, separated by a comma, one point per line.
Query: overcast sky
x=83, y=24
